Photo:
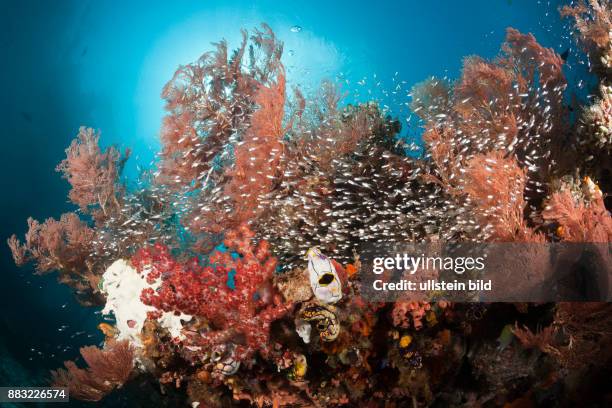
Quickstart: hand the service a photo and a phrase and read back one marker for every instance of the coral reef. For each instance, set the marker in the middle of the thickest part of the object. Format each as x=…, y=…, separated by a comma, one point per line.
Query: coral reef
x=232, y=272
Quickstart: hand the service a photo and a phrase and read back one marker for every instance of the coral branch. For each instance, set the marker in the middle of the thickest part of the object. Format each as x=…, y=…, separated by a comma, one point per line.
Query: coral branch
x=64, y=245
x=495, y=186
x=93, y=174
x=594, y=23
x=541, y=340
x=107, y=369
x=579, y=220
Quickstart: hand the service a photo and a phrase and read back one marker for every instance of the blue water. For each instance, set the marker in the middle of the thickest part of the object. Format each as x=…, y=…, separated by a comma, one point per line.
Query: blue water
x=70, y=63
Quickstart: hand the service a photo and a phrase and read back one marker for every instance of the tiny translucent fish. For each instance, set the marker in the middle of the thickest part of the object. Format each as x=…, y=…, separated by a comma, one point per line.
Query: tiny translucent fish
x=296, y=29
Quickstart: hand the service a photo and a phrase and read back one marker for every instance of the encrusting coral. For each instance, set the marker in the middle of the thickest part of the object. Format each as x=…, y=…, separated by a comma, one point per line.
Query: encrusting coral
x=242, y=245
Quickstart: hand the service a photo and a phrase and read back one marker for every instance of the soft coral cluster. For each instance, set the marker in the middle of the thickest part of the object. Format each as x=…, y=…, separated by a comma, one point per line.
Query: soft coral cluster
x=240, y=315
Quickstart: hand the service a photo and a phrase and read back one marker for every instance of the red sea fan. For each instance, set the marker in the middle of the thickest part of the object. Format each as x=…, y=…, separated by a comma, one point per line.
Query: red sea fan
x=63, y=245
x=532, y=63
x=209, y=104
x=204, y=100
x=495, y=186
x=258, y=156
x=108, y=368
x=509, y=108
x=223, y=130
x=80, y=250
x=579, y=221
x=515, y=102
x=93, y=174
x=593, y=20
x=242, y=315
x=511, y=104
